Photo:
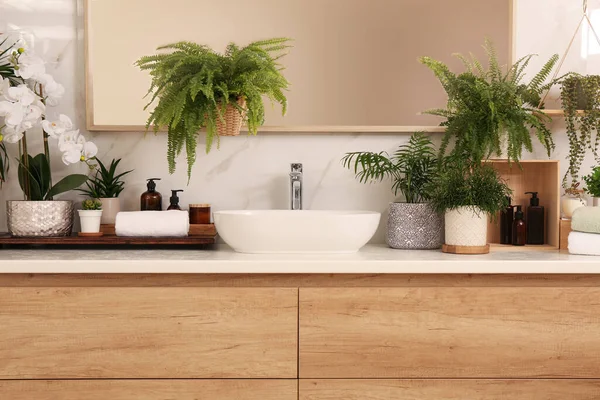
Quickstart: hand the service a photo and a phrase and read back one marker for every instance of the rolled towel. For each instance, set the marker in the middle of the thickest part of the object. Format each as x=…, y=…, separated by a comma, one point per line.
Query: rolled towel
x=172, y=223
x=586, y=219
x=587, y=244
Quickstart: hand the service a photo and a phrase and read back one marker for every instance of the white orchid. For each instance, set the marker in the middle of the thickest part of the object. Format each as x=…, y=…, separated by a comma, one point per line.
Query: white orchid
x=13, y=113
x=52, y=90
x=89, y=151
x=30, y=66
x=10, y=135
x=4, y=85
x=56, y=128
x=20, y=94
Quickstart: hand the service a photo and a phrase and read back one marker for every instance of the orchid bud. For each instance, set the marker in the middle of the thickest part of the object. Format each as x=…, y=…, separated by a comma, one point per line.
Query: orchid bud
x=21, y=50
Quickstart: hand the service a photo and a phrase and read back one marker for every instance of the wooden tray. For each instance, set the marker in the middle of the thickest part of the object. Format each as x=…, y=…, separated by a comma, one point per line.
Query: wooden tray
x=74, y=241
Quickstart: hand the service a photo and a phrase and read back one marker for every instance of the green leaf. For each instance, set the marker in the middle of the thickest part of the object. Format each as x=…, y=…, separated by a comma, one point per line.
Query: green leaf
x=70, y=182
x=35, y=192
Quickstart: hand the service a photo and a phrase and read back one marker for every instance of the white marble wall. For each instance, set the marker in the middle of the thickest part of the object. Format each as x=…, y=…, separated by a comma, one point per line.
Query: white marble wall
x=247, y=172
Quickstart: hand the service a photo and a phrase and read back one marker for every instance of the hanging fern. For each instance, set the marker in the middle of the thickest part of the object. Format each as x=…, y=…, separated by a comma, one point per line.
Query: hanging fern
x=488, y=107
x=192, y=86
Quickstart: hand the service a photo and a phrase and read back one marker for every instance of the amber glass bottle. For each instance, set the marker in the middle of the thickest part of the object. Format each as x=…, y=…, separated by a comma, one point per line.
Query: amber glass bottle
x=151, y=200
x=519, y=233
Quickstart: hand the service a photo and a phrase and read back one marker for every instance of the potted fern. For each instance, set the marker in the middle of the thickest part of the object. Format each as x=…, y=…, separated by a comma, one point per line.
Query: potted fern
x=106, y=186
x=196, y=87
x=491, y=112
x=467, y=194
x=592, y=181
x=412, y=224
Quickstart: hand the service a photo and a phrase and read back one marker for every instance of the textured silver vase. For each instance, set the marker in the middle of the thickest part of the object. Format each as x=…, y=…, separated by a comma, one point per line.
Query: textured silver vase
x=414, y=226
x=39, y=218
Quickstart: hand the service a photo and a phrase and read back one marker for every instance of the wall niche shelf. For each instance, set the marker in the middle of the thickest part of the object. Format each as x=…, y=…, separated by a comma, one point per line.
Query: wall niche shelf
x=542, y=176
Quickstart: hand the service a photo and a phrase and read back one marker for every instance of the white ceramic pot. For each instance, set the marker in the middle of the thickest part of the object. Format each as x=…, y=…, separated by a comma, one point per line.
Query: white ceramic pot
x=90, y=220
x=568, y=204
x=596, y=201
x=110, y=207
x=466, y=227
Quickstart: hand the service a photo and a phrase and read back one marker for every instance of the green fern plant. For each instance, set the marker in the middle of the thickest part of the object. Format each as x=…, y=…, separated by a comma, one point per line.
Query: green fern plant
x=489, y=106
x=193, y=85
x=411, y=168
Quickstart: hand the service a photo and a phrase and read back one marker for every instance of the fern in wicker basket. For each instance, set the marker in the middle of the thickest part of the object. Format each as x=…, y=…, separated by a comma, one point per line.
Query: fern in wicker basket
x=195, y=87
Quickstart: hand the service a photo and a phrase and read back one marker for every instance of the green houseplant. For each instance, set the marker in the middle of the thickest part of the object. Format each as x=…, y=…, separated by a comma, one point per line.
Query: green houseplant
x=580, y=96
x=106, y=186
x=592, y=182
x=467, y=193
x=196, y=87
x=490, y=112
x=90, y=216
x=412, y=224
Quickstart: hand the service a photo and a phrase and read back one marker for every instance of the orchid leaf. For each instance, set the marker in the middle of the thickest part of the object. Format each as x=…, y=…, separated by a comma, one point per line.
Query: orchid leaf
x=70, y=182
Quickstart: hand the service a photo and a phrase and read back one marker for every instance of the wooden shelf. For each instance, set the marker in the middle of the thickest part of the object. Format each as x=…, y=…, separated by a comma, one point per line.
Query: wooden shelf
x=558, y=113
x=508, y=247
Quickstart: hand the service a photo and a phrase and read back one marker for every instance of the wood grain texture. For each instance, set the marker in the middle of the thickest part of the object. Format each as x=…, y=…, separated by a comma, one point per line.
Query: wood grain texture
x=298, y=280
x=453, y=249
x=150, y=390
x=433, y=389
x=565, y=229
x=450, y=333
x=58, y=333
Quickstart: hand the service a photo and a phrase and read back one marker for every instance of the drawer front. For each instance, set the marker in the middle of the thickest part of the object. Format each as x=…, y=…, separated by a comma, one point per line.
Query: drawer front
x=450, y=333
x=453, y=389
x=49, y=333
x=230, y=389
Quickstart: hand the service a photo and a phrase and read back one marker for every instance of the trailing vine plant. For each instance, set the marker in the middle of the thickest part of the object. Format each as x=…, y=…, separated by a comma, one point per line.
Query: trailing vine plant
x=580, y=97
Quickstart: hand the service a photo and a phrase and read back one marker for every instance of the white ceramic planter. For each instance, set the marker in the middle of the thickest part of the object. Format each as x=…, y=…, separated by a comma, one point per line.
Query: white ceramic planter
x=90, y=220
x=465, y=227
x=569, y=204
x=596, y=201
x=110, y=207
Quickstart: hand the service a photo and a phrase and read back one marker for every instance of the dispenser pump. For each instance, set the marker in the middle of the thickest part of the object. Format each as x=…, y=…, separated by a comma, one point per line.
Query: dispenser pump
x=534, y=201
x=151, y=184
x=174, y=199
x=519, y=213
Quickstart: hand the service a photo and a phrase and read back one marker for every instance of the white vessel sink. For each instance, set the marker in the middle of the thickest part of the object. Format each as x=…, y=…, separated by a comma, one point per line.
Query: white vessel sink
x=283, y=231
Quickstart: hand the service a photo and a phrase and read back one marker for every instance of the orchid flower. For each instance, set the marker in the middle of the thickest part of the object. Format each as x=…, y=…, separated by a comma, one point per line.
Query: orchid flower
x=56, y=128
x=10, y=135
x=53, y=91
x=30, y=66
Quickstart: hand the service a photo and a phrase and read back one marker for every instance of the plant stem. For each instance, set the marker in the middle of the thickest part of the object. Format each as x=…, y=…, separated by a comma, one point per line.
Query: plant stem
x=46, y=147
x=25, y=159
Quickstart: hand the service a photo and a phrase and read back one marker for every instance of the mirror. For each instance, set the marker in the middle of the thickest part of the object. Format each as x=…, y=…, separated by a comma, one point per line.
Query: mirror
x=353, y=67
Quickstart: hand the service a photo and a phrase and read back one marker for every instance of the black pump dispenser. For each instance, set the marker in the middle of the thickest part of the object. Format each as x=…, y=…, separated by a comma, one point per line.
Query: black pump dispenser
x=174, y=199
x=536, y=220
x=534, y=201
x=151, y=185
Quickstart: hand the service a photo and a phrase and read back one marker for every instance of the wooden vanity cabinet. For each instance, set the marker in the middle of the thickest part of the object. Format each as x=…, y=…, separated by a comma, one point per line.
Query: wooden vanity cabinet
x=305, y=337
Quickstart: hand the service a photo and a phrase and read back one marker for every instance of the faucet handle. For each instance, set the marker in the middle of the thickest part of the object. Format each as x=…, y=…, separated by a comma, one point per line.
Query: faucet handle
x=296, y=167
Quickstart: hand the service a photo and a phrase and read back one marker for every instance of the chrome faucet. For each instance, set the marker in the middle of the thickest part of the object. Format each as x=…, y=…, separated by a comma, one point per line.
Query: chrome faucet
x=296, y=187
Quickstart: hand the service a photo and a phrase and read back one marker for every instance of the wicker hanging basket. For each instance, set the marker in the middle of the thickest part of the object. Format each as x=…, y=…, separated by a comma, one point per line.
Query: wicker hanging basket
x=233, y=119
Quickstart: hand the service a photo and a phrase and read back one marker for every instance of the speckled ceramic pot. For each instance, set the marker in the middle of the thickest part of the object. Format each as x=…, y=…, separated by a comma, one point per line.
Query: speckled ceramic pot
x=39, y=218
x=414, y=226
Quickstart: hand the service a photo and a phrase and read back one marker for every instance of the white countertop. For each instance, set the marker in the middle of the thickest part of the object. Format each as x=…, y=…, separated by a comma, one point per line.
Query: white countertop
x=372, y=259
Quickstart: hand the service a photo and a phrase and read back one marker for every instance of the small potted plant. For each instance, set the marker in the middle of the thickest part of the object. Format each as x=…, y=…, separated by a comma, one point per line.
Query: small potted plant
x=106, y=185
x=491, y=112
x=572, y=200
x=90, y=216
x=580, y=96
x=592, y=181
x=197, y=88
x=468, y=194
x=412, y=224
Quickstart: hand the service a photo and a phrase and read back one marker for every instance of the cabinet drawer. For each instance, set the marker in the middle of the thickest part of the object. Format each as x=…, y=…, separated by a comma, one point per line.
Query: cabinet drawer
x=453, y=389
x=230, y=389
x=49, y=333
x=450, y=333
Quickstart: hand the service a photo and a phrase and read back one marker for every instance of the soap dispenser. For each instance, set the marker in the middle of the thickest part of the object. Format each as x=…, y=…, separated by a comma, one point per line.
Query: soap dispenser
x=151, y=200
x=174, y=200
x=519, y=233
x=535, y=220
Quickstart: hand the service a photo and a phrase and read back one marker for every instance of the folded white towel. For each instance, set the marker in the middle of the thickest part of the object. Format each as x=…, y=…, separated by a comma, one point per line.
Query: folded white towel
x=584, y=243
x=172, y=223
